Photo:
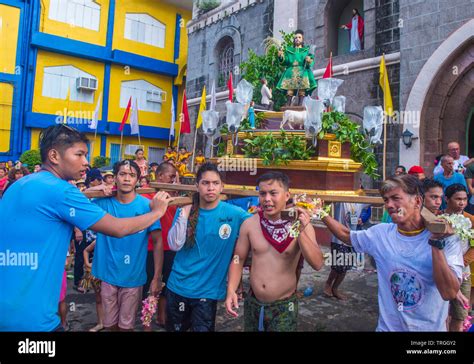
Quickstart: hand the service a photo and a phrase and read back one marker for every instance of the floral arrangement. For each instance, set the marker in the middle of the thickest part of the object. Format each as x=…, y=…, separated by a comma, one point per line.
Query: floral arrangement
x=461, y=225
x=467, y=323
x=316, y=208
x=148, y=310
x=252, y=210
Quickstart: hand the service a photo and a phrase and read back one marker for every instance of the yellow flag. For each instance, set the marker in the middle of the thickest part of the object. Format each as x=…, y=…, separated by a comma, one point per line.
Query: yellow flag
x=383, y=81
x=202, y=107
x=66, y=110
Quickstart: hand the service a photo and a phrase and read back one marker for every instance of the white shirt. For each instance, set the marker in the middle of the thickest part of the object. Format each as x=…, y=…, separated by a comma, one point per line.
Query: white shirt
x=458, y=165
x=344, y=212
x=266, y=95
x=408, y=297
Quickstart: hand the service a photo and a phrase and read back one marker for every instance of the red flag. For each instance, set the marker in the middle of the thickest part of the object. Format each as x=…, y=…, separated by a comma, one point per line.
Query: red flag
x=230, y=87
x=328, y=72
x=185, y=123
x=125, y=116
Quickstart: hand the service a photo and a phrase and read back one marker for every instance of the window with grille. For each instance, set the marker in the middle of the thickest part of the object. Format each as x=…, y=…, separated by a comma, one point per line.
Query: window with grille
x=225, y=52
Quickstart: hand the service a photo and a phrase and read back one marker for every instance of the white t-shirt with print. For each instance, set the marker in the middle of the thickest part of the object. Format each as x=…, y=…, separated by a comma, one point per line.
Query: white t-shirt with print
x=458, y=165
x=408, y=297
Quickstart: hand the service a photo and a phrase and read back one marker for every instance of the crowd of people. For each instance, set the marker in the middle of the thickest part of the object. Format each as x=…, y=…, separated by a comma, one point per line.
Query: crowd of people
x=128, y=247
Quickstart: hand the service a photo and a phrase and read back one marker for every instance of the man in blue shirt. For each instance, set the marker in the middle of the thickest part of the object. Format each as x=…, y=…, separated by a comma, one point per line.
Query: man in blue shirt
x=204, y=235
x=120, y=263
x=41, y=211
x=448, y=177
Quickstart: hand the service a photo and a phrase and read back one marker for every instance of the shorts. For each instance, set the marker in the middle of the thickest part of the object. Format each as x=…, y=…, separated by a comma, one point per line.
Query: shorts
x=120, y=305
x=278, y=316
x=456, y=310
x=195, y=314
x=339, y=252
x=62, y=295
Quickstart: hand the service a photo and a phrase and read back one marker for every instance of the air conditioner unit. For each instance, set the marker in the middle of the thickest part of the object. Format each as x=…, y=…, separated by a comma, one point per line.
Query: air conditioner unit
x=156, y=96
x=86, y=83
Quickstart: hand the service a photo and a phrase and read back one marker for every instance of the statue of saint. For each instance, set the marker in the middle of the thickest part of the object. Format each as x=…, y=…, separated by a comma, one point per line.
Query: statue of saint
x=298, y=79
x=356, y=26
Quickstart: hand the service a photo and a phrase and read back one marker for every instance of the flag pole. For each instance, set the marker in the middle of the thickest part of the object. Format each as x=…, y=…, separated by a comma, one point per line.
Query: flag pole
x=181, y=117
x=194, y=147
x=93, y=144
x=121, y=142
x=384, y=157
x=384, y=145
x=330, y=60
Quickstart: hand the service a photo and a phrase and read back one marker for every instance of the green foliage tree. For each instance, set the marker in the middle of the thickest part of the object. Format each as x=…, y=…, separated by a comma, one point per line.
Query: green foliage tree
x=30, y=158
x=100, y=161
x=207, y=5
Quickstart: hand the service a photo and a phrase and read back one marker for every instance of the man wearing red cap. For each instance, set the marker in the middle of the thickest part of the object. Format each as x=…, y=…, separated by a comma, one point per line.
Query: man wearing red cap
x=418, y=172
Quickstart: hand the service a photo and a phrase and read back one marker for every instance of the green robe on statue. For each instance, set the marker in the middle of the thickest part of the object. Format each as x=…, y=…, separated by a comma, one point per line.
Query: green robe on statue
x=298, y=74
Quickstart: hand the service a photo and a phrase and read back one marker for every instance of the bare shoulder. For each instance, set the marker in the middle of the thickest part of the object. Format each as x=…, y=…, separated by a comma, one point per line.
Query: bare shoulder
x=250, y=222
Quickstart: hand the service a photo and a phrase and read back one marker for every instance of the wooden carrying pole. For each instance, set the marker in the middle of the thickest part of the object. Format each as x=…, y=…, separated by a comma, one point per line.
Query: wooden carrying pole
x=155, y=186
x=432, y=223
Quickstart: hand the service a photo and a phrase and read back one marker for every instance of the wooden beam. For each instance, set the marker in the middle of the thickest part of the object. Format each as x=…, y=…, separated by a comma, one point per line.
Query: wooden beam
x=373, y=200
x=155, y=186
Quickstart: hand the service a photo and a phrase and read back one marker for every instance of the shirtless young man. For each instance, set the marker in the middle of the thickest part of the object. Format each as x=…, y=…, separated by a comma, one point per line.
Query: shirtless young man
x=272, y=303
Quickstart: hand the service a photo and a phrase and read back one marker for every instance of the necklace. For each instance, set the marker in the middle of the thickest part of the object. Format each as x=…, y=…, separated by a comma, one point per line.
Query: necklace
x=414, y=232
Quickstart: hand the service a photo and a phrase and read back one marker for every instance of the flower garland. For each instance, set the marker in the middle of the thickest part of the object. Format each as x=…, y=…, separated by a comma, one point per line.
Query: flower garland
x=461, y=225
x=316, y=208
x=149, y=307
x=467, y=323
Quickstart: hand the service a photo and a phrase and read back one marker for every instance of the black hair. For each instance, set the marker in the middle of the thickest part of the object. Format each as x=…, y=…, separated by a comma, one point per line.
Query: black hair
x=60, y=137
x=357, y=11
x=299, y=31
x=454, y=188
x=437, y=160
x=207, y=167
x=402, y=167
x=139, y=150
x=163, y=167
x=429, y=183
x=126, y=162
x=275, y=176
x=153, y=164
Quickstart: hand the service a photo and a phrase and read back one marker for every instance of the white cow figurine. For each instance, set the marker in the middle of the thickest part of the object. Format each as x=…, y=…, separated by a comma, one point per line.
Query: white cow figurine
x=293, y=118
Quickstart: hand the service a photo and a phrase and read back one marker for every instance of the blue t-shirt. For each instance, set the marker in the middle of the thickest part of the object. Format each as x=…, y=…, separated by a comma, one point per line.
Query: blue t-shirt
x=122, y=261
x=446, y=182
x=38, y=214
x=201, y=271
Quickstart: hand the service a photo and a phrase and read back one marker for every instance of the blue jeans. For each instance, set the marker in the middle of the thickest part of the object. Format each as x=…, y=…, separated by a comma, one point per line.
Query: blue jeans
x=182, y=314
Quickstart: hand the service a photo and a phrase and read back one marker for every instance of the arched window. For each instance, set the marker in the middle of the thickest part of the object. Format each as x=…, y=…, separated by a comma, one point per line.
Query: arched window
x=225, y=56
x=340, y=13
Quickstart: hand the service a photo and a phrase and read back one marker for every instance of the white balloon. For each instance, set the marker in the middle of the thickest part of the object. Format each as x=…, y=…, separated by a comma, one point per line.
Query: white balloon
x=235, y=111
x=210, y=119
x=373, y=123
x=314, y=115
x=339, y=104
x=244, y=92
x=327, y=88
